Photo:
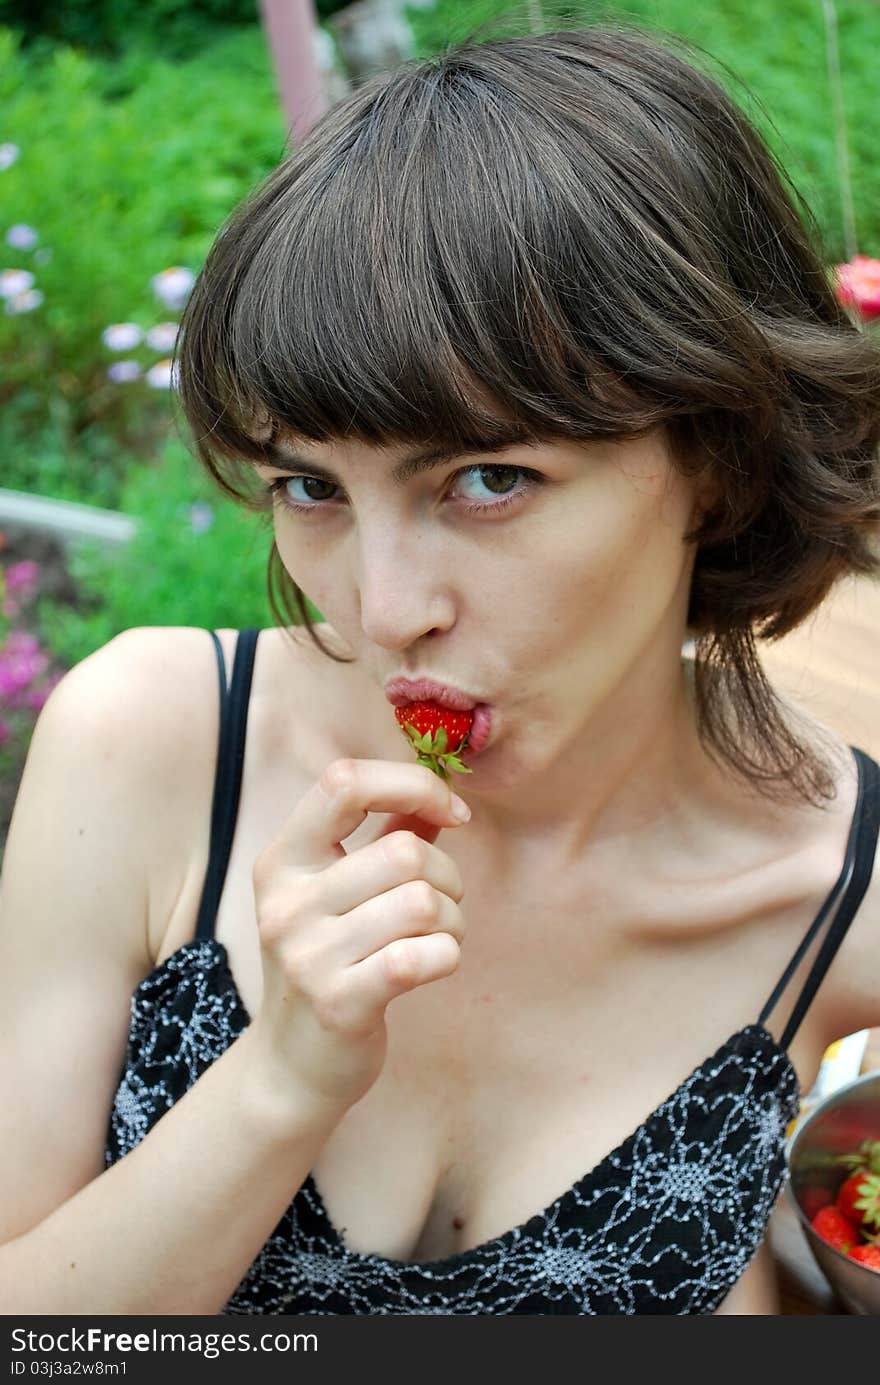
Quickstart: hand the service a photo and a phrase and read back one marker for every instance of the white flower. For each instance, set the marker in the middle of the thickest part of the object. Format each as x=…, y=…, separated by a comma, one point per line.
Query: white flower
x=163, y=336
x=123, y=371
x=8, y=155
x=122, y=336
x=173, y=286
x=15, y=281
x=163, y=375
x=201, y=516
x=24, y=302
x=21, y=237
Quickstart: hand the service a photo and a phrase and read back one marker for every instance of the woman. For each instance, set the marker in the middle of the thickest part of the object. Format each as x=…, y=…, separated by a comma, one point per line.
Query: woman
x=540, y=376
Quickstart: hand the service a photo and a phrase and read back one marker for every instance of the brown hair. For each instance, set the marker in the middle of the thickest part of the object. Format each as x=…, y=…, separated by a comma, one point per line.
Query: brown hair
x=584, y=229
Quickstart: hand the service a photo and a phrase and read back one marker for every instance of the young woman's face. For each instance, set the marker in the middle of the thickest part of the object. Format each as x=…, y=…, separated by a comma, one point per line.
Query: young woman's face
x=570, y=579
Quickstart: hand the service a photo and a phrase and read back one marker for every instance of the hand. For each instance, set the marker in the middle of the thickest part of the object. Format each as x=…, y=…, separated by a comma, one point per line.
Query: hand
x=341, y=935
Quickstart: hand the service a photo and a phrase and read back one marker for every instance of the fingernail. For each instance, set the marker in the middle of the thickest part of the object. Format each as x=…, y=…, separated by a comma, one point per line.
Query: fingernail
x=460, y=810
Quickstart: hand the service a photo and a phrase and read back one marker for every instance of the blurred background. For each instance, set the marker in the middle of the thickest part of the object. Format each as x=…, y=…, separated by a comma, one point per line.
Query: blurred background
x=129, y=129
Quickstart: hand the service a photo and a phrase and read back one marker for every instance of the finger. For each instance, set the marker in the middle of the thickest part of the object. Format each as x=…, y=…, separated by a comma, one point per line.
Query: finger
x=348, y=790
x=380, y=866
x=402, y=966
x=412, y=910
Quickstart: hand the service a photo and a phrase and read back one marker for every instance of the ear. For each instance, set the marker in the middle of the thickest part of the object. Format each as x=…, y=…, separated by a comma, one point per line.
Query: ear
x=707, y=492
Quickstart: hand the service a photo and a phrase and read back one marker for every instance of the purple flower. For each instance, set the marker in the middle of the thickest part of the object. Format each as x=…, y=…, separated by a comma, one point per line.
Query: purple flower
x=123, y=371
x=21, y=236
x=122, y=336
x=21, y=661
x=163, y=336
x=201, y=516
x=20, y=581
x=23, y=576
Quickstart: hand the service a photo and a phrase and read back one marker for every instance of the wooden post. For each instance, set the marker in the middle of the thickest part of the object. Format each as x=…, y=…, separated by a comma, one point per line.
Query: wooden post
x=290, y=27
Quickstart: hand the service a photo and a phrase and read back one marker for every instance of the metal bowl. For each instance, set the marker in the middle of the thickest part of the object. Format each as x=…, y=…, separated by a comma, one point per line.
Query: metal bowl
x=836, y=1126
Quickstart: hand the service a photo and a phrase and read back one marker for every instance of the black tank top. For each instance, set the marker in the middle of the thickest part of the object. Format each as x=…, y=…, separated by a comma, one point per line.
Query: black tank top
x=665, y=1223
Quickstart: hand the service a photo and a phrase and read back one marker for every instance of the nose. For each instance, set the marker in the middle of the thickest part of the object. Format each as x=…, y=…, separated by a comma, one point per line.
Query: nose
x=402, y=590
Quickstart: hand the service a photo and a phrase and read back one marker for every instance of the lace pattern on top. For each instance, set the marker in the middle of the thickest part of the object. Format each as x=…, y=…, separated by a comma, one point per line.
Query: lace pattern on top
x=665, y=1224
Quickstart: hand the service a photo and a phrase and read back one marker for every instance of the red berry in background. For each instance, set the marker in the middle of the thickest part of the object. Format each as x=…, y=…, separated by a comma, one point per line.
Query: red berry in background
x=858, y=1198
x=835, y=1228
x=814, y=1199
x=858, y=285
x=866, y=1255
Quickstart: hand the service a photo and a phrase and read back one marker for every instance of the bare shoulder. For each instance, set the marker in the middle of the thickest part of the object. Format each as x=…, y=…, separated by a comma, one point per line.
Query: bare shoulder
x=829, y=667
x=144, y=711
x=849, y=996
x=853, y=981
x=124, y=747
x=295, y=711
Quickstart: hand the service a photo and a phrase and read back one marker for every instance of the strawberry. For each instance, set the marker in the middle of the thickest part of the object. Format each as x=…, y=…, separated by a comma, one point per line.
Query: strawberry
x=430, y=728
x=814, y=1199
x=859, y=1199
x=866, y=1255
x=866, y=1157
x=835, y=1228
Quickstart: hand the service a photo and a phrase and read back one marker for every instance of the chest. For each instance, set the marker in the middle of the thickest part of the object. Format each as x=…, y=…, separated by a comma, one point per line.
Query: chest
x=509, y=1081
x=571, y=1017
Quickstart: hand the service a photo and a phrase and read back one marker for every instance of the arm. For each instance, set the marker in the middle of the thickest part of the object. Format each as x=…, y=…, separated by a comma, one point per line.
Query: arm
x=174, y=1226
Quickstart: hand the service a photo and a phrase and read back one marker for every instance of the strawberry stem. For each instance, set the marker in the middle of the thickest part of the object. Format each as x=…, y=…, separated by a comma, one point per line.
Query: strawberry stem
x=433, y=752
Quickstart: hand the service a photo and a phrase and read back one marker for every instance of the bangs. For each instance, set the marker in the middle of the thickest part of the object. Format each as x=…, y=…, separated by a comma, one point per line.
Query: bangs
x=418, y=272
x=575, y=234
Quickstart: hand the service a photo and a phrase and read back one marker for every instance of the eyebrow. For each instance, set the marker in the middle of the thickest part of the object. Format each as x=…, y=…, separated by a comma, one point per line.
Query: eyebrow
x=424, y=459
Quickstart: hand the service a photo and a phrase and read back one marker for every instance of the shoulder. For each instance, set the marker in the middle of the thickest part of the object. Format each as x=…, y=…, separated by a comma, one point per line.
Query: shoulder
x=122, y=697
x=133, y=728
x=852, y=985
x=91, y=798
x=173, y=679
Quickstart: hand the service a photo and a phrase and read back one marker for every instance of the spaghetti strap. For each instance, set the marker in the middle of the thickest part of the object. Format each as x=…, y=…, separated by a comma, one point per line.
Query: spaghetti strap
x=221, y=670
x=847, y=892
x=227, y=779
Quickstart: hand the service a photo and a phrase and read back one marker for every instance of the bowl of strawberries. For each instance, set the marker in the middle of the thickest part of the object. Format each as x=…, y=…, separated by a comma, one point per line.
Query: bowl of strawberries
x=834, y=1182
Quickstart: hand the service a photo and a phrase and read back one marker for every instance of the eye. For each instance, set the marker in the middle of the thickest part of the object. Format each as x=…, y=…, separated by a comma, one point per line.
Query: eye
x=495, y=479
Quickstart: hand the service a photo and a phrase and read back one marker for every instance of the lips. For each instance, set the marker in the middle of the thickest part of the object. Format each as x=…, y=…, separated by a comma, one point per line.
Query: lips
x=401, y=691
x=481, y=729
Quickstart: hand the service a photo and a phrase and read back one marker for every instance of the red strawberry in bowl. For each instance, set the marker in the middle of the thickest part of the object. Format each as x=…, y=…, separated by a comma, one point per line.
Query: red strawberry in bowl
x=438, y=734
x=814, y=1199
x=858, y=1198
x=866, y=1255
x=835, y=1228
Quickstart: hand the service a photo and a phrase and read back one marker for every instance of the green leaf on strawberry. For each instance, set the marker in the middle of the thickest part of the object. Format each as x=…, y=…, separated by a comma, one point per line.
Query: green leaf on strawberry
x=431, y=729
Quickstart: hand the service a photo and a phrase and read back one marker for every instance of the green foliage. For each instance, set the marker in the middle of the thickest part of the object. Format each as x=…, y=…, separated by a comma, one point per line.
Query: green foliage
x=178, y=27
x=118, y=190
x=131, y=165
x=169, y=573
x=778, y=50
x=175, y=28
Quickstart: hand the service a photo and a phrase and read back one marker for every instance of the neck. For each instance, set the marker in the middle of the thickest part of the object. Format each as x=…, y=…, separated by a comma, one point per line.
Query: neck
x=636, y=774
